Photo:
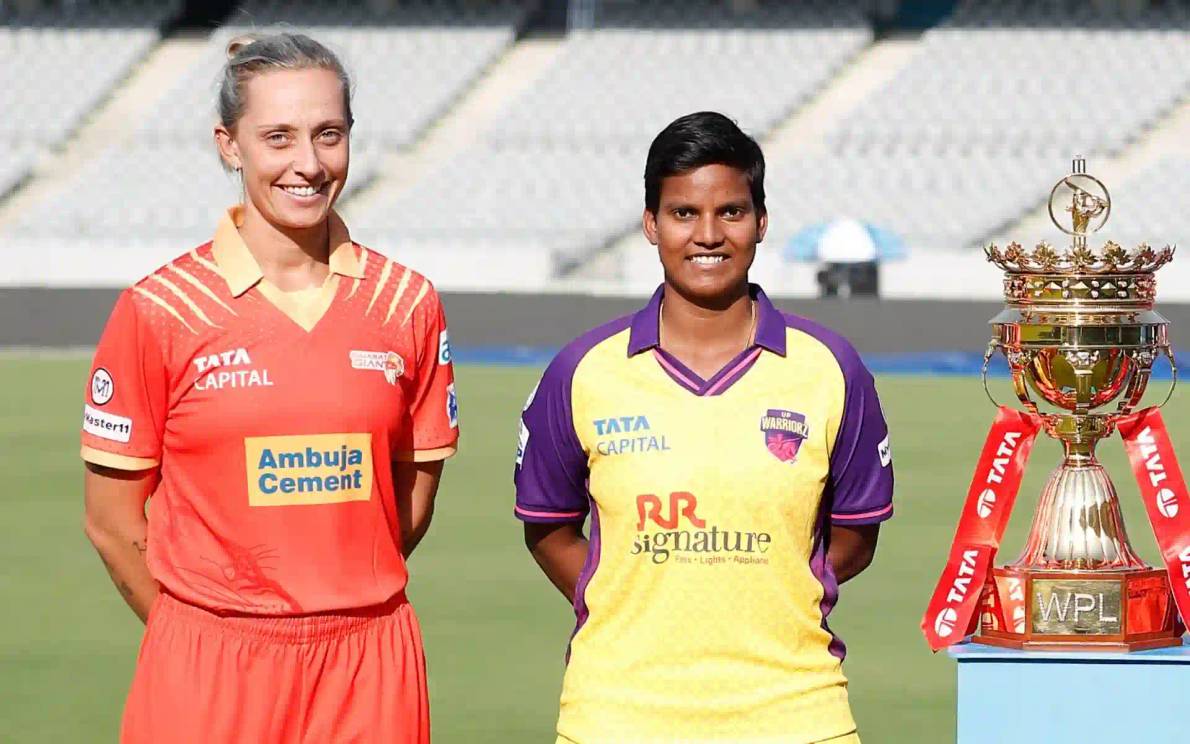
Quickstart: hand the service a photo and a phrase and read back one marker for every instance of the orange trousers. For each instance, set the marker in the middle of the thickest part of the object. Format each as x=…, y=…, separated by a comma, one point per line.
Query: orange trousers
x=356, y=676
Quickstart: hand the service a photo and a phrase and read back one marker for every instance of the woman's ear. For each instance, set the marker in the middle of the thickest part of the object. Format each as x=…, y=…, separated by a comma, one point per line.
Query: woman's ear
x=229, y=151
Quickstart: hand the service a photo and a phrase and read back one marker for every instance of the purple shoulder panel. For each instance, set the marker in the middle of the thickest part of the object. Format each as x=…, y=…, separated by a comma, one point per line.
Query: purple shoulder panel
x=551, y=467
x=860, y=486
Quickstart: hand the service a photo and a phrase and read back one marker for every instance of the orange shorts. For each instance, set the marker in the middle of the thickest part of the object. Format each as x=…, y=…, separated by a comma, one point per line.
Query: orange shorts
x=356, y=676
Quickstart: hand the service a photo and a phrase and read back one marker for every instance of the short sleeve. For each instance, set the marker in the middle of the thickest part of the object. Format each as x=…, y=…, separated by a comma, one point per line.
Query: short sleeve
x=551, y=466
x=434, y=410
x=861, y=471
x=127, y=394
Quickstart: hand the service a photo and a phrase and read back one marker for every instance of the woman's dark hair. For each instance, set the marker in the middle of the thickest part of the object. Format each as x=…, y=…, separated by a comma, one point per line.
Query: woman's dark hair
x=695, y=140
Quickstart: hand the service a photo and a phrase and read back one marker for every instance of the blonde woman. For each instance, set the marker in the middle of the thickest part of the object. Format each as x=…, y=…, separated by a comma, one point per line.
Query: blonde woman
x=286, y=398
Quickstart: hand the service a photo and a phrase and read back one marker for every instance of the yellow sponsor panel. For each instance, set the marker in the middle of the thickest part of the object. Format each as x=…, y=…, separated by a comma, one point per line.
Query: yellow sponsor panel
x=308, y=469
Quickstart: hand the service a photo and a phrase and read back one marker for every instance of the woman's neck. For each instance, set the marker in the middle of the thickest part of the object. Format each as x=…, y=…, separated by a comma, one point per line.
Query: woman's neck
x=705, y=336
x=290, y=259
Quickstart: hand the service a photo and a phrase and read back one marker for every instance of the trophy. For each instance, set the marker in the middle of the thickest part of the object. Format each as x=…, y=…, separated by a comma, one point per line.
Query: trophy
x=1079, y=333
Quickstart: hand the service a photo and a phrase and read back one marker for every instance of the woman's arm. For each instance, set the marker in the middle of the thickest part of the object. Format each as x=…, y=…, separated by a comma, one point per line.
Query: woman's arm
x=560, y=550
x=852, y=549
x=417, y=485
x=115, y=523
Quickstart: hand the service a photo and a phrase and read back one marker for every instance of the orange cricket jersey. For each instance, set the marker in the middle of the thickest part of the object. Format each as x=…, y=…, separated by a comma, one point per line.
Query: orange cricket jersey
x=275, y=418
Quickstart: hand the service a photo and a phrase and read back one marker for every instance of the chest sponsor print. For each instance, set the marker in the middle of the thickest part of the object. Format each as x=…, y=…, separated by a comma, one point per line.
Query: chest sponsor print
x=784, y=431
x=308, y=469
x=229, y=369
x=622, y=435
x=673, y=527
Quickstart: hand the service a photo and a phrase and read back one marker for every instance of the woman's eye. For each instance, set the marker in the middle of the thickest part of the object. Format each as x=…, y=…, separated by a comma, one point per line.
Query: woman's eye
x=276, y=138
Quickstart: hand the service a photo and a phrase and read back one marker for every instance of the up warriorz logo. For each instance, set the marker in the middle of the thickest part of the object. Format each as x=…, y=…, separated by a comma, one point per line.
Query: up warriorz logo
x=308, y=469
x=708, y=545
x=390, y=363
x=784, y=432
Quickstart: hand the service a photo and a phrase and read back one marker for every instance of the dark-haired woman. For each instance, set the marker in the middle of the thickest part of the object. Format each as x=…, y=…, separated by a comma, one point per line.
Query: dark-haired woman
x=735, y=466
x=285, y=397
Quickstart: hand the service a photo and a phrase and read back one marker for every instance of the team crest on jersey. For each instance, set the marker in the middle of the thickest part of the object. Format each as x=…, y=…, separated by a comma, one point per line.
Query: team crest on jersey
x=390, y=363
x=784, y=432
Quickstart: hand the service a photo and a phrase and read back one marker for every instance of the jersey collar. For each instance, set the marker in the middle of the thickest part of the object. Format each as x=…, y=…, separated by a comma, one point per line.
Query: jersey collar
x=239, y=267
x=646, y=324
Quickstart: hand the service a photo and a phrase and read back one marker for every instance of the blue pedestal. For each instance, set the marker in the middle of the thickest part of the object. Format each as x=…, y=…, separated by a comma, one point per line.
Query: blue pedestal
x=1053, y=697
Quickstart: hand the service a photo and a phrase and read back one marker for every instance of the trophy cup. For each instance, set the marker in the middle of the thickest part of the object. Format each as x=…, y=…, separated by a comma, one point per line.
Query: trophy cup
x=1079, y=332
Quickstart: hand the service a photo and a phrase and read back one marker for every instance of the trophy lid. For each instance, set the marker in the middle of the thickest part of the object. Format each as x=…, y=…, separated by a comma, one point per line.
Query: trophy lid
x=1079, y=278
x=1087, y=209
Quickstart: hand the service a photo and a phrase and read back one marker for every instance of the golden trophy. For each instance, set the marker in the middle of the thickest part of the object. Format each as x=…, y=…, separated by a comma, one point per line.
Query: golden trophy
x=1079, y=333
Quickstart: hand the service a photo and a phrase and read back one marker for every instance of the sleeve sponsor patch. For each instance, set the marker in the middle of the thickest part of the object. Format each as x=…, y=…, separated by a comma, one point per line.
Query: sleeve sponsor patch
x=103, y=387
x=522, y=443
x=452, y=406
x=885, y=451
x=444, y=347
x=106, y=425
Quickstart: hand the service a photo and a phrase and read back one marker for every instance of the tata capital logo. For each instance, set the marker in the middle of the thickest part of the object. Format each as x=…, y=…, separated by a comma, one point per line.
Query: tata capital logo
x=215, y=375
x=784, y=432
x=620, y=435
x=686, y=536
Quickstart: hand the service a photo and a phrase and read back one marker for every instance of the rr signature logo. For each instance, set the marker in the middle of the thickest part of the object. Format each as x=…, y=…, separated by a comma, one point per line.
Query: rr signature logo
x=681, y=504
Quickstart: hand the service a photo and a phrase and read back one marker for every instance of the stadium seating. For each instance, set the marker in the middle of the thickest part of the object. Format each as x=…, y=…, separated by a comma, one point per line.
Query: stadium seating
x=956, y=147
x=59, y=63
x=1151, y=207
x=408, y=64
x=974, y=130
x=559, y=174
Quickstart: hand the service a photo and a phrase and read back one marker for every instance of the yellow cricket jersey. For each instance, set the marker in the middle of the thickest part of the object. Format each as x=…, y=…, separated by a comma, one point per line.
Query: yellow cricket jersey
x=703, y=602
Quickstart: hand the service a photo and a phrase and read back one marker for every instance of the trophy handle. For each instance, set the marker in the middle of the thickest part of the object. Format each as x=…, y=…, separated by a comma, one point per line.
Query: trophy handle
x=1173, y=367
x=987, y=360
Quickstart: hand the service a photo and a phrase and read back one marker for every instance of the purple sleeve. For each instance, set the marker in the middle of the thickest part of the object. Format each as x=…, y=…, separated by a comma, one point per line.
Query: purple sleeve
x=551, y=470
x=860, y=484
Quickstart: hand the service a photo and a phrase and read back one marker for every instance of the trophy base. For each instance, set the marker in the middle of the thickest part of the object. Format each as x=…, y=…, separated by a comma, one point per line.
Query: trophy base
x=1129, y=609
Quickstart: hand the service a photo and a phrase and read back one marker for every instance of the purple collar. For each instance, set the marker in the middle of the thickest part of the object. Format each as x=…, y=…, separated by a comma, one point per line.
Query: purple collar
x=770, y=325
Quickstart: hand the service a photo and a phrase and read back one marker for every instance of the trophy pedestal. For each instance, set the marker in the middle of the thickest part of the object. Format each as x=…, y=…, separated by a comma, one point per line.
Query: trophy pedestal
x=1025, y=696
x=1120, y=610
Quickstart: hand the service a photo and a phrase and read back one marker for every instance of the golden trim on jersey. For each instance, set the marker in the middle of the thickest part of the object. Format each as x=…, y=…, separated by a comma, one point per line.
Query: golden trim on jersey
x=119, y=462
x=241, y=270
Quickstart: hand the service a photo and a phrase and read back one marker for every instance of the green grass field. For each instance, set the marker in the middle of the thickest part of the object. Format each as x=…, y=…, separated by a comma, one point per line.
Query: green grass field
x=495, y=629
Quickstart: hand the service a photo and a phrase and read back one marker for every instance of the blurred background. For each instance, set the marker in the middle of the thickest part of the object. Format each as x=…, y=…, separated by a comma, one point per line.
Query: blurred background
x=499, y=149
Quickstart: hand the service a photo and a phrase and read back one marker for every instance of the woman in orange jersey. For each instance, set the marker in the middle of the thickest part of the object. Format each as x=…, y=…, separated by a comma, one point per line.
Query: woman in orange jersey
x=286, y=398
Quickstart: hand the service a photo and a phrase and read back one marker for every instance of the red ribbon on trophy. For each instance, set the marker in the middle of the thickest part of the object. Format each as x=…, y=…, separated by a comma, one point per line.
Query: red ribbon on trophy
x=1163, y=490
x=951, y=614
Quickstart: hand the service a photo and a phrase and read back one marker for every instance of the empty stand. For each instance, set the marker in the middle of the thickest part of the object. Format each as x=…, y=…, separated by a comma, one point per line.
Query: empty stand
x=59, y=63
x=408, y=64
x=974, y=130
x=559, y=174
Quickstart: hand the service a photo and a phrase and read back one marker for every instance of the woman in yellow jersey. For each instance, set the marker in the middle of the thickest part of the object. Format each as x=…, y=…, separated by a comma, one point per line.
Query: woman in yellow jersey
x=285, y=397
x=734, y=463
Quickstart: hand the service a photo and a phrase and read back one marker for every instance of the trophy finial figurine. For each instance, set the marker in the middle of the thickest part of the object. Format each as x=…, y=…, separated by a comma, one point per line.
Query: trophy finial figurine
x=1088, y=199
